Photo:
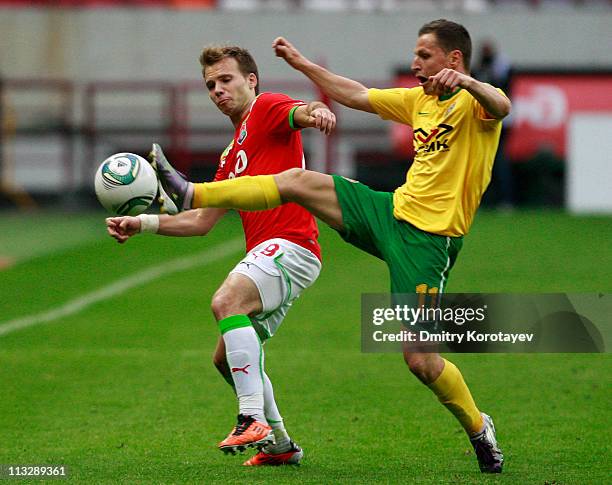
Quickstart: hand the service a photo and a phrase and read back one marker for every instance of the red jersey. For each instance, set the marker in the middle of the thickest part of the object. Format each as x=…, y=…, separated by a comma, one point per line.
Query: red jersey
x=265, y=143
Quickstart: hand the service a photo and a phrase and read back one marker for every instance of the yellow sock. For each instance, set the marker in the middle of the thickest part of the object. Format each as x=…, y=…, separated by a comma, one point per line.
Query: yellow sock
x=243, y=193
x=453, y=392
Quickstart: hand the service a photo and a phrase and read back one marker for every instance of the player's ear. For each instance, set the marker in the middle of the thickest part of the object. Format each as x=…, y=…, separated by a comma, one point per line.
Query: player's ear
x=252, y=80
x=455, y=59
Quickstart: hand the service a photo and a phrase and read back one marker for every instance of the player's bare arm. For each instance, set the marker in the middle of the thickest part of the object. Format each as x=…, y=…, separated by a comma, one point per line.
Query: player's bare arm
x=196, y=222
x=315, y=115
x=495, y=104
x=343, y=90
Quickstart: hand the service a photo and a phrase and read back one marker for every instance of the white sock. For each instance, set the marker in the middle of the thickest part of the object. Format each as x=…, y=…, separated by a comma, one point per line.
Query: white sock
x=245, y=358
x=275, y=420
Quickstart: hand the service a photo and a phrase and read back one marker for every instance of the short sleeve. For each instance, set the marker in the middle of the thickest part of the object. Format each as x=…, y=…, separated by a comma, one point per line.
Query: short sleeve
x=394, y=104
x=277, y=110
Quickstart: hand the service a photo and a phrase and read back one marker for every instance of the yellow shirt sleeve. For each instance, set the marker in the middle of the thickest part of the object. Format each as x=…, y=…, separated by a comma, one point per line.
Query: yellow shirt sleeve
x=394, y=104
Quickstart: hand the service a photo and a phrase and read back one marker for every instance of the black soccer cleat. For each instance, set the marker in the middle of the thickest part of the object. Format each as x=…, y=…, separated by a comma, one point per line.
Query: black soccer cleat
x=175, y=191
x=490, y=457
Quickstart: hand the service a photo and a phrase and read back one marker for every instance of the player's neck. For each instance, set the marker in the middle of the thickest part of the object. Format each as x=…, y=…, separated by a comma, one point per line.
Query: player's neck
x=242, y=114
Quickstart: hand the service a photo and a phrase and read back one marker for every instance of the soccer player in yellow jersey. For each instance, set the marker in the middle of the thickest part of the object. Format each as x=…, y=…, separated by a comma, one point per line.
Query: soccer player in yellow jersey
x=418, y=230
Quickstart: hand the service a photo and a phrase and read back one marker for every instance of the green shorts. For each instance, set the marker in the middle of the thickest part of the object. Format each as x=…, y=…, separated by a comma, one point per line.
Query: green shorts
x=418, y=261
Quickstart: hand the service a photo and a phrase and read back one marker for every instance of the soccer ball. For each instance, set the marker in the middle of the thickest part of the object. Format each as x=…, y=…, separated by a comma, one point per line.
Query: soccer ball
x=126, y=184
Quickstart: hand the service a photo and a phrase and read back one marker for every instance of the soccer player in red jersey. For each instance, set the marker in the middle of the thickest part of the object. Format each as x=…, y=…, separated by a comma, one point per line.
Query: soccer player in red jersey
x=283, y=255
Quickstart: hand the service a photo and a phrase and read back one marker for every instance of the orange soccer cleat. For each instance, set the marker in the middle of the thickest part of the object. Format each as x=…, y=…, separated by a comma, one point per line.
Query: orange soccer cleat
x=248, y=433
x=291, y=457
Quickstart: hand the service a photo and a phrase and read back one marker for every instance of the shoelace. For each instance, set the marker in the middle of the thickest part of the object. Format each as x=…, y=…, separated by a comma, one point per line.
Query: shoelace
x=243, y=424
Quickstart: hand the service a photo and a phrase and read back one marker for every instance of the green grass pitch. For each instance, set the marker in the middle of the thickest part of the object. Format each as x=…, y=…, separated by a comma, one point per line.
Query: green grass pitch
x=124, y=391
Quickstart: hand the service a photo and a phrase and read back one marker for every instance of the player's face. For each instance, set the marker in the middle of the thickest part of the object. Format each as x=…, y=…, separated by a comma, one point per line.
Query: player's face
x=429, y=59
x=228, y=88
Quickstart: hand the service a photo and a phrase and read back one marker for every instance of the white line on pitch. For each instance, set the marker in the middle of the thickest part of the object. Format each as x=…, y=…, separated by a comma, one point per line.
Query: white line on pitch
x=145, y=276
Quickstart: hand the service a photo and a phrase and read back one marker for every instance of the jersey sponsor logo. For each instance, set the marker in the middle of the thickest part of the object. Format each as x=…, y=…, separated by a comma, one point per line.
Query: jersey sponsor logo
x=432, y=141
x=241, y=369
x=422, y=113
x=241, y=164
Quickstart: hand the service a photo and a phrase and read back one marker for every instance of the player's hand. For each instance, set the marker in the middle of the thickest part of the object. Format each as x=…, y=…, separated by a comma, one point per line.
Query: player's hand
x=322, y=119
x=447, y=80
x=284, y=49
x=122, y=228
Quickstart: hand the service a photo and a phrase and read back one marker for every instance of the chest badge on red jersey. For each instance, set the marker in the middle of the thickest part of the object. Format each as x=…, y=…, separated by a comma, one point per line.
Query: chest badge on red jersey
x=243, y=133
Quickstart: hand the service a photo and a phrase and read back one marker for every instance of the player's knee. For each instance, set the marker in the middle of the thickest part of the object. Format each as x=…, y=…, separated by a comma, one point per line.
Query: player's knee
x=223, y=305
x=226, y=303
x=417, y=364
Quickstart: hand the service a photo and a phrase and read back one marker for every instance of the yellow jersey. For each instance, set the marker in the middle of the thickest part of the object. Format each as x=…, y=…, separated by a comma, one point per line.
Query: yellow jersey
x=455, y=143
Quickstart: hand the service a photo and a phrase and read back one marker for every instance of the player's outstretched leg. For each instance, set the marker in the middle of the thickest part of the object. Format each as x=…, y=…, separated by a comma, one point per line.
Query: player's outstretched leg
x=246, y=192
x=175, y=191
x=490, y=457
x=312, y=190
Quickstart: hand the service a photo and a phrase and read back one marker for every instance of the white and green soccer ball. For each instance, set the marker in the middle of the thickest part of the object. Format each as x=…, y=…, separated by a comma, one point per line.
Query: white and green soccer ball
x=125, y=184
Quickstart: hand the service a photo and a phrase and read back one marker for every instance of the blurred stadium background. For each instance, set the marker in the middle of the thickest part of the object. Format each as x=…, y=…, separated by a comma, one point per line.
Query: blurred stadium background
x=119, y=387
x=84, y=79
